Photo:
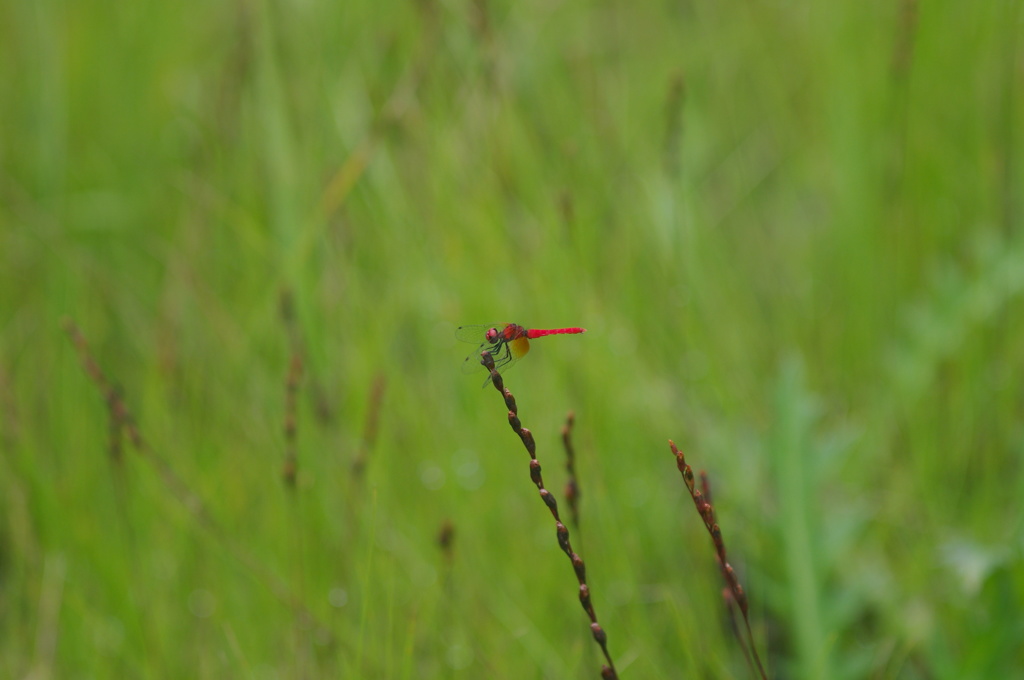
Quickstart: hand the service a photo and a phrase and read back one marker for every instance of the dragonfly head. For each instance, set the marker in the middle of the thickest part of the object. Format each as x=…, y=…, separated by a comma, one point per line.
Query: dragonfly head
x=492, y=335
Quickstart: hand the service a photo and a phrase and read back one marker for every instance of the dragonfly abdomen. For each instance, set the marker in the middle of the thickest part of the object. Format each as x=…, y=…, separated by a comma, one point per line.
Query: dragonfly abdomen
x=540, y=333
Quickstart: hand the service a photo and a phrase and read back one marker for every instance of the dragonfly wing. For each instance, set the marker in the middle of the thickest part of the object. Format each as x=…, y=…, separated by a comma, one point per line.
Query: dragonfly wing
x=474, y=334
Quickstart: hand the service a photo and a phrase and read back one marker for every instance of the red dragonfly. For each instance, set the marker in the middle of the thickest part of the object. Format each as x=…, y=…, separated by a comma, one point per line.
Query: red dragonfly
x=506, y=342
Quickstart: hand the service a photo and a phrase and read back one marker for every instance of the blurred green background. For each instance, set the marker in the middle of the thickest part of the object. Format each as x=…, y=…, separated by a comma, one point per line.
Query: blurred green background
x=792, y=230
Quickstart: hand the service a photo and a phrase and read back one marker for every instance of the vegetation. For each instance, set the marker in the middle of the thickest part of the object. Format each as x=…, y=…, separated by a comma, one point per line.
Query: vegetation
x=793, y=232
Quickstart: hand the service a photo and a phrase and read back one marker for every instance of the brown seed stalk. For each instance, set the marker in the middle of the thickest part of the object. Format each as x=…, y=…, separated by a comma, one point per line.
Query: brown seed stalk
x=562, y=533
x=572, y=487
x=707, y=514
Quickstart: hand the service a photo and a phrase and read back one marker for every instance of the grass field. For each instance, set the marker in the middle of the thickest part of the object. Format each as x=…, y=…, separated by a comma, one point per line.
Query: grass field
x=792, y=230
